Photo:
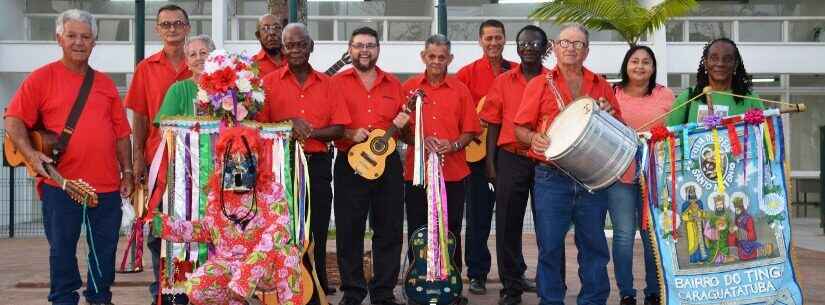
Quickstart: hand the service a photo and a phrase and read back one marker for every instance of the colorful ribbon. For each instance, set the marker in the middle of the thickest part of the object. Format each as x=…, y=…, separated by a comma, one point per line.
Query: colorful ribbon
x=672, y=159
x=205, y=162
x=418, y=144
x=438, y=266
x=717, y=160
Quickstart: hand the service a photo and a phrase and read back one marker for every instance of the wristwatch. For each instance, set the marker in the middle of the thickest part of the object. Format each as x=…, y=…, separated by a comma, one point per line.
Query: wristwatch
x=456, y=146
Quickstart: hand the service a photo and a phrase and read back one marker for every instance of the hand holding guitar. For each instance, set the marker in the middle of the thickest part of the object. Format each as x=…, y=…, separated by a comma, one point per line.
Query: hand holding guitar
x=356, y=135
x=401, y=119
x=36, y=159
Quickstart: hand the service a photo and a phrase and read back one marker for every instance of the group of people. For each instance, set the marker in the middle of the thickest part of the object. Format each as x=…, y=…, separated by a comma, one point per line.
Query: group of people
x=519, y=100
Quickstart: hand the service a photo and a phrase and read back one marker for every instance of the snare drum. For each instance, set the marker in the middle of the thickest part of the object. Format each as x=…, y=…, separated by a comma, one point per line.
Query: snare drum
x=590, y=144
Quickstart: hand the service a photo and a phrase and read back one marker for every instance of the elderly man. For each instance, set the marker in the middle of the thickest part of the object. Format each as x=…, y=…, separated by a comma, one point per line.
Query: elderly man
x=268, y=32
x=450, y=123
x=478, y=76
x=151, y=80
x=309, y=99
x=98, y=153
x=374, y=100
x=560, y=201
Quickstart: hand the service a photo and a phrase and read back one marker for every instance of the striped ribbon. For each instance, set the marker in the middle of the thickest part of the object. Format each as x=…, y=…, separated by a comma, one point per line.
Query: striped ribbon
x=438, y=265
x=301, y=200
x=418, y=145
x=717, y=160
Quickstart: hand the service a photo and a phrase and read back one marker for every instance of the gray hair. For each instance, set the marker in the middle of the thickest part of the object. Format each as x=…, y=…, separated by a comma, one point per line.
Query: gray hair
x=437, y=39
x=75, y=15
x=578, y=27
x=295, y=25
x=202, y=38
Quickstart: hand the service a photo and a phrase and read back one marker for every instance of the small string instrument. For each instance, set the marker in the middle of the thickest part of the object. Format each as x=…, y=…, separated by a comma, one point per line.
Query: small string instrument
x=477, y=148
x=368, y=159
x=43, y=141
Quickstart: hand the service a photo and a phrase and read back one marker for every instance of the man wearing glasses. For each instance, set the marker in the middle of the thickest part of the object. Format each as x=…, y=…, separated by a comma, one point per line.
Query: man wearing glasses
x=152, y=78
x=374, y=100
x=508, y=160
x=268, y=32
x=558, y=200
x=478, y=76
x=313, y=103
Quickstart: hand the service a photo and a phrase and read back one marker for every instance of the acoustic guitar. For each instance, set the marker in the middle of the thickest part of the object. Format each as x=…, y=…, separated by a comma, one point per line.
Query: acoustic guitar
x=345, y=60
x=418, y=289
x=43, y=141
x=368, y=159
x=477, y=148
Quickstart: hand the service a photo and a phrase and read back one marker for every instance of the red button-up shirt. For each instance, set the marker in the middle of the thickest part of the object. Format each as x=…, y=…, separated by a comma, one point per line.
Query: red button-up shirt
x=153, y=77
x=369, y=108
x=539, y=103
x=478, y=76
x=265, y=64
x=448, y=112
x=503, y=101
x=48, y=95
x=318, y=102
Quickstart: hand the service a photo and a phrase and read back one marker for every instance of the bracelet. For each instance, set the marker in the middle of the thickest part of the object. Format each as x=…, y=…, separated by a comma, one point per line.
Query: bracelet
x=456, y=146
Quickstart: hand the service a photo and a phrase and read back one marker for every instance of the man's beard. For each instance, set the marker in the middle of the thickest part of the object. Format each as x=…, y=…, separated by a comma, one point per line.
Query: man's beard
x=363, y=68
x=273, y=51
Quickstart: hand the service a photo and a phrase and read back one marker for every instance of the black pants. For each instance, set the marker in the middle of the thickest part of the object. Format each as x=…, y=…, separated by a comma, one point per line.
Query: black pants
x=514, y=184
x=383, y=200
x=480, y=203
x=416, y=199
x=320, y=179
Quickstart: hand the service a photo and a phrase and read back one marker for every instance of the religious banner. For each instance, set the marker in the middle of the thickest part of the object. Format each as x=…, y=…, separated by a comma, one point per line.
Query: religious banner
x=716, y=198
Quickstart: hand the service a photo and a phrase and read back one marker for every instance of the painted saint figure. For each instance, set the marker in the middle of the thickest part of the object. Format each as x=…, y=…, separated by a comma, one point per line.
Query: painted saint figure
x=747, y=246
x=693, y=218
x=719, y=238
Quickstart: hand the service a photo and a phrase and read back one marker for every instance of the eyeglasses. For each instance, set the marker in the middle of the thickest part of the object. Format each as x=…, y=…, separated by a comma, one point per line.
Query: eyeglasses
x=273, y=28
x=725, y=60
x=368, y=46
x=536, y=44
x=177, y=24
x=564, y=44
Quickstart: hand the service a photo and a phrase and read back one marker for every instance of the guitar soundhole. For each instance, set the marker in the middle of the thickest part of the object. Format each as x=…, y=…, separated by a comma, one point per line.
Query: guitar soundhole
x=378, y=146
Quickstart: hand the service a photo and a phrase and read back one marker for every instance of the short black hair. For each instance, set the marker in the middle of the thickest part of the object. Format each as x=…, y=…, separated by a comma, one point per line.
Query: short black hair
x=651, y=83
x=365, y=31
x=173, y=7
x=490, y=23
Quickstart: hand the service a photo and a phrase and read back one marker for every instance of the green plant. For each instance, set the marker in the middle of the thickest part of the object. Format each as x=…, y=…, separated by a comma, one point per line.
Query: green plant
x=627, y=17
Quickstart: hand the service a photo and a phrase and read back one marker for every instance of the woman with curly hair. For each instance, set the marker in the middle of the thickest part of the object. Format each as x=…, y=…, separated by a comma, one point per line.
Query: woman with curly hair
x=721, y=68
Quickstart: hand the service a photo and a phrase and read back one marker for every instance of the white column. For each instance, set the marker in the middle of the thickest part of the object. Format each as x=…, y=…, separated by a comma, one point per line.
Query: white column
x=219, y=22
x=659, y=45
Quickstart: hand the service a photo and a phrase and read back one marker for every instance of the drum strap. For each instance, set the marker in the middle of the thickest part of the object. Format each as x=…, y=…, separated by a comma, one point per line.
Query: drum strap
x=552, y=83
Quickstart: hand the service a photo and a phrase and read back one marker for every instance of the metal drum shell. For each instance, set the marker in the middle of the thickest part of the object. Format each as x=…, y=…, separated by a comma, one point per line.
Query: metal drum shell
x=602, y=151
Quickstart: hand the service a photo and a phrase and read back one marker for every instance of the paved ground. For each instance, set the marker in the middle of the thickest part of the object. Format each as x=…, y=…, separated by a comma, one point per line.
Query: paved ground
x=24, y=271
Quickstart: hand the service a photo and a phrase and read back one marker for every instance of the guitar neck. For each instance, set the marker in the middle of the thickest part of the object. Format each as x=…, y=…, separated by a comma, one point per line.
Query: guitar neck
x=53, y=174
x=335, y=67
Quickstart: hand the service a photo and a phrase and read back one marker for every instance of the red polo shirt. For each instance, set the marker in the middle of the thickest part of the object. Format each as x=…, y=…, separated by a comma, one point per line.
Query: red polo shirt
x=318, y=102
x=47, y=96
x=369, y=108
x=503, y=101
x=448, y=111
x=153, y=76
x=539, y=103
x=266, y=64
x=478, y=76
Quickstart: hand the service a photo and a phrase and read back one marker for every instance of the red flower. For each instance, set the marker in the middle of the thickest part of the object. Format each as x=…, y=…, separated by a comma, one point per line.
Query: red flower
x=224, y=79
x=659, y=133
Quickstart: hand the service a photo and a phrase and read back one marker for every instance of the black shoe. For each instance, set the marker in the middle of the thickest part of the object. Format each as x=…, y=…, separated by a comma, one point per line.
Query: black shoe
x=628, y=301
x=509, y=300
x=349, y=301
x=478, y=286
x=461, y=300
x=387, y=302
x=529, y=285
x=652, y=300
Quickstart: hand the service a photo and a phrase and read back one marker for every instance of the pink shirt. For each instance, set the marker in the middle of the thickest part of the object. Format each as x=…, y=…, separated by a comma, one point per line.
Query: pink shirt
x=638, y=111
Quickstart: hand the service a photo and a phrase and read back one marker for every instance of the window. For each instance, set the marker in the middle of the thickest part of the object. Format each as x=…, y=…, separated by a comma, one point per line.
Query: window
x=760, y=31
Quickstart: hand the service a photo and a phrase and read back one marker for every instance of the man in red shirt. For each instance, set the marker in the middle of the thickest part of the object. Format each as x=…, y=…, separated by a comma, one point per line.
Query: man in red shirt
x=98, y=152
x=153, y=76
x=479, y=76
x=374, y=100
x=558, y=200
x=450, y=123
x=313, y=103
x=507, y=161
x=268, y=32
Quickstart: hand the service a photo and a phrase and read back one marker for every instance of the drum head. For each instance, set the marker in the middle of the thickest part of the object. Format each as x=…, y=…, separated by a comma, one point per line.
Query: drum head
x=568, y=126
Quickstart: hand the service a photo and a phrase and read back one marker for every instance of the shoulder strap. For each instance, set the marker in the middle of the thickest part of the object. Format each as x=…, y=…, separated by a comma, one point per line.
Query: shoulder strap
x=74, y=115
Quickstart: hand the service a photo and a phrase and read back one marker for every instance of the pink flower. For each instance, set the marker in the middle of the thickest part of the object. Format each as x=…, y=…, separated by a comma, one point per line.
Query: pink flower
x=227, y=102
x=291, y=261
x=283, y=220
x=257, y=272
x=238, y=250
x=265, y=245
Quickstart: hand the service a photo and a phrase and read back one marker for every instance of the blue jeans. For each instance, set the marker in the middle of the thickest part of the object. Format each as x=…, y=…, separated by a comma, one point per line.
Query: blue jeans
x=62, y=219
x=559, y=202
x=625, y=214
x=480, y=202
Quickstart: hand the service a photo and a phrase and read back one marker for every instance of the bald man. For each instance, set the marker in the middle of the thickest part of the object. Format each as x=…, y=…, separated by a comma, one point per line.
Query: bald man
x=268, y=31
